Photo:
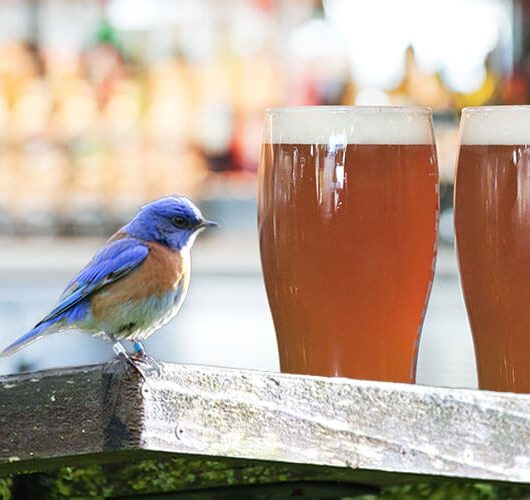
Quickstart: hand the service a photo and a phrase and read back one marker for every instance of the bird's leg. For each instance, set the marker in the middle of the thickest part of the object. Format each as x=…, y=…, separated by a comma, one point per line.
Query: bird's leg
x=142, y=357
x=122, y=354
x=138, y=348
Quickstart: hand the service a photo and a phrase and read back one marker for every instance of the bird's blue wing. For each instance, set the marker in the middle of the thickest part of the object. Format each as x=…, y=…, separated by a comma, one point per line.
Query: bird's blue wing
x=111, y=263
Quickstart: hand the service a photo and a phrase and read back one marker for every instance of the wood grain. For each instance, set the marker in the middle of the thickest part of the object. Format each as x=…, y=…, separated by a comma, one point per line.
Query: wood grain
x=192, y=411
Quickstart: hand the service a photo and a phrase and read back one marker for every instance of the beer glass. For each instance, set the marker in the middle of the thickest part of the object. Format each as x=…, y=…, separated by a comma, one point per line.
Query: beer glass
x=348, y=211
x=492, y=225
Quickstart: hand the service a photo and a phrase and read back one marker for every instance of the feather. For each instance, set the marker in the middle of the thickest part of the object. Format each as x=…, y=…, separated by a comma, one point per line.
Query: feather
x=109, y=265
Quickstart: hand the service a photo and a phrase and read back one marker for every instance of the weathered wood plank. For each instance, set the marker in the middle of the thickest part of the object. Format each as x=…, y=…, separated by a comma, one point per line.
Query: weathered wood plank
x=68, y=412
x=350, y=425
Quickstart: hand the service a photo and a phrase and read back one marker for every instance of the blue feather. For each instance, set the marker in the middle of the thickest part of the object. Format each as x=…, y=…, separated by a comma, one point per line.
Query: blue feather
x=156, y=222
x=110, y=264
x=33, y=335
x=173, y=222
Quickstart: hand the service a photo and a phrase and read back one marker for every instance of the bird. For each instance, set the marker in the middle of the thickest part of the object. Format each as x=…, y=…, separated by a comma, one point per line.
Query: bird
x=134, y=284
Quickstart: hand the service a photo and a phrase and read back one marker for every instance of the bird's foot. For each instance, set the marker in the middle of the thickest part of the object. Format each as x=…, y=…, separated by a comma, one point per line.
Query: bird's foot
x=143, y=358
x=130, y=364
x=151, y=363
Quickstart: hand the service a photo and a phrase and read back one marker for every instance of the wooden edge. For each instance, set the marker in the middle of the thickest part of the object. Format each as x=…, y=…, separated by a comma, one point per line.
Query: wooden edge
x=194, y=411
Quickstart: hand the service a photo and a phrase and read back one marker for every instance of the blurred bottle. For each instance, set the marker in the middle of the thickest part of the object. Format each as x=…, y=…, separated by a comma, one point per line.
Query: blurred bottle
x=486, y=93
x=104, y=62
x=420, y=88
x=514, y=87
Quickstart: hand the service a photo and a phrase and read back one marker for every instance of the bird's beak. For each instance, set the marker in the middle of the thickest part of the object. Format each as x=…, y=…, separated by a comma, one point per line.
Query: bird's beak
x=209, y=223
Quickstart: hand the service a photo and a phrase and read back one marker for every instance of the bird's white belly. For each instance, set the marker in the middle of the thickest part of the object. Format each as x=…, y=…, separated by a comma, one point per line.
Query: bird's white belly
x=162, y=315
x=137, y=319
x=156, y=312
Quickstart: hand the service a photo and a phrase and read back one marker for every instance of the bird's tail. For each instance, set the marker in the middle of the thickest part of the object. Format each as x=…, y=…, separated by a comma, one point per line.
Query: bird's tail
x=28, y=338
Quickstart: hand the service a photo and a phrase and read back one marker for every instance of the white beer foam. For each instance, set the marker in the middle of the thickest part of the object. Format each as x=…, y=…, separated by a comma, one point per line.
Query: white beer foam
x=348, y=125
x=495, y=125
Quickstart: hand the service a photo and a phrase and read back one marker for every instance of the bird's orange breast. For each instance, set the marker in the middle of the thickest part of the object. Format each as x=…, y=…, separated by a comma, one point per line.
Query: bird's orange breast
x=160, y=272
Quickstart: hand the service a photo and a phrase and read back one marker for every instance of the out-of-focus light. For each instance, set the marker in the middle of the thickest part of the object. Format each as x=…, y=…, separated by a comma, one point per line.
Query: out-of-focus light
x=248, y=29
x=4, y=114
x=122, y=112
x=76, y=112
x=453, y=37
x=214, y=128
x=317, y=63
x=138, y=15
x=168, y=119
x=465, y=80
x=314, y=38
x=372, y=97
x=31, y=113
x=134, y=14
x=376, y=39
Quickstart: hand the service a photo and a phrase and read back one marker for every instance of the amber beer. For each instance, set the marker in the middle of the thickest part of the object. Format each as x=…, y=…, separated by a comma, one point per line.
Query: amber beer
x=348, y=210
x=492, y=223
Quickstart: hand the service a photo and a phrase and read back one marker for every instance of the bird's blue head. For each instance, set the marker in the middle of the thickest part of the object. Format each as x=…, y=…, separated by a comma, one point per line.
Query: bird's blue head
x=173, y=221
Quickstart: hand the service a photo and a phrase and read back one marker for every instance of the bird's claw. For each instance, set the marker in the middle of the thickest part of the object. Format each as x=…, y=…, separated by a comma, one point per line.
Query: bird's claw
x=145, y=359
x=140, y=362
x=131, y=366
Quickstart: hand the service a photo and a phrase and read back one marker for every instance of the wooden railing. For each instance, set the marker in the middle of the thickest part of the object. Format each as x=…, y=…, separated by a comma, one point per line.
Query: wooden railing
x=197, y=430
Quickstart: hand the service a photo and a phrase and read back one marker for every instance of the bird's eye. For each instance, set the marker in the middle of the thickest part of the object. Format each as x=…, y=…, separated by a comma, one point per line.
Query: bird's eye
x=180, y=222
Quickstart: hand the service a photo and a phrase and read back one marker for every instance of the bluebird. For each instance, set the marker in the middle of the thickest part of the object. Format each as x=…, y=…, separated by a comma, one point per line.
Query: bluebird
x=133, y=285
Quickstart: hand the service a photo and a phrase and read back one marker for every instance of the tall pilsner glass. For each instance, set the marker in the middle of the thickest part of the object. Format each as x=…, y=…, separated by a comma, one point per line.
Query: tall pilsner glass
x=492, y=223
x=348, y=211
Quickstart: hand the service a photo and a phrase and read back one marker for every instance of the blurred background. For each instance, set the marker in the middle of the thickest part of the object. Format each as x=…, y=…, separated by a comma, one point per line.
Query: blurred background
x=105, y=104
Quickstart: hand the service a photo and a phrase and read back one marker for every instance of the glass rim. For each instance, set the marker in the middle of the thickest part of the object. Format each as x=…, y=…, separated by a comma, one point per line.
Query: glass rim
x=327, y=109
x=496, y=109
